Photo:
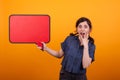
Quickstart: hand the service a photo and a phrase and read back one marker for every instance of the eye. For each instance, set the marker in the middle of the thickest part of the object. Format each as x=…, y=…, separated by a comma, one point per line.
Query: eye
x=79, y=26
x=85, y=26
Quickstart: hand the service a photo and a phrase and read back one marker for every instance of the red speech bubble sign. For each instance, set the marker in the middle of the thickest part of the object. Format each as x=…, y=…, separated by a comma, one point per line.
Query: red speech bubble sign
x=29, y=28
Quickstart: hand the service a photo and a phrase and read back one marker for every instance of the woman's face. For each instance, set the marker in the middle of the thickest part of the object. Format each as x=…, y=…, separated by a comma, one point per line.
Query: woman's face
x=83, y=28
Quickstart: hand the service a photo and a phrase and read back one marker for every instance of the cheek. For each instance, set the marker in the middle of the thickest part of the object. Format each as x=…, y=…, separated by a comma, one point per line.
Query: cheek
x=88, y=31
x=78, y=30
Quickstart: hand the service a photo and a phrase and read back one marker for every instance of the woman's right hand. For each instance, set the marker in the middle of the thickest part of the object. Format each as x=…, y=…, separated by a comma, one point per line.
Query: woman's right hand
x=54, y=53
x=43, y=47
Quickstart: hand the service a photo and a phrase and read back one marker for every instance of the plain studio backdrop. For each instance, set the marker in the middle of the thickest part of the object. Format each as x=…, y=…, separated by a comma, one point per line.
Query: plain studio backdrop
x=27, y=62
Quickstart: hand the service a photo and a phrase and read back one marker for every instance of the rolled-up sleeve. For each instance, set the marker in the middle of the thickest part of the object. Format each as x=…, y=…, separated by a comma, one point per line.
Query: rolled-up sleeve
x=65, y=43
x=92, y=52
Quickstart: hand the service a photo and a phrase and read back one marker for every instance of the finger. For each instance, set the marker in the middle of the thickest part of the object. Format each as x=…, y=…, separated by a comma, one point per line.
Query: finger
x=86, y=35
x=43, y=45
x=39, y=47
x=80, y=37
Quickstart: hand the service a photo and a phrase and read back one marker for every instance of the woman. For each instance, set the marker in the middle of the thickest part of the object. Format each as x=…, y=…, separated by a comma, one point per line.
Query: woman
x=78, y=51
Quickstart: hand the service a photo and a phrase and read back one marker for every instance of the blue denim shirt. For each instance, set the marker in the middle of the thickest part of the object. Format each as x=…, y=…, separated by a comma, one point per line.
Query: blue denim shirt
x=73, y=52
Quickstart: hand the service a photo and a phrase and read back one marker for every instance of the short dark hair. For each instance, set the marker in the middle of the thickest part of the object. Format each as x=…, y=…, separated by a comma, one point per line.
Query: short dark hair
x=82, y=19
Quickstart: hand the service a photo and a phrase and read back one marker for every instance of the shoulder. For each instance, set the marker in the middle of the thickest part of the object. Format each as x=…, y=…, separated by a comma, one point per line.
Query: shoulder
x=70, y=38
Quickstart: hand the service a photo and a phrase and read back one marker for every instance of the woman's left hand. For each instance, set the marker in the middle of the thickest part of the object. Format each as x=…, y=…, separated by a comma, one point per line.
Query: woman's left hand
x=84, y=39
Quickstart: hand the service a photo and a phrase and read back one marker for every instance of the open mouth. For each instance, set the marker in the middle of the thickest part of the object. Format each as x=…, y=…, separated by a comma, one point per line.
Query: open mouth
x=82, y=34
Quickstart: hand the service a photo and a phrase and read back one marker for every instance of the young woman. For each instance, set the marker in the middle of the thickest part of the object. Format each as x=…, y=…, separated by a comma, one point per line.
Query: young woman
x=78, y=51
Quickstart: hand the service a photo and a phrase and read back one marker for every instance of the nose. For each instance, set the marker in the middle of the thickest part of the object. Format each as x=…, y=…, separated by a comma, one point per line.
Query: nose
x=82, y=29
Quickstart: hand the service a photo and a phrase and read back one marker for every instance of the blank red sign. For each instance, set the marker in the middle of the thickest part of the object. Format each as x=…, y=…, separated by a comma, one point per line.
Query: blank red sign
x=29, y=28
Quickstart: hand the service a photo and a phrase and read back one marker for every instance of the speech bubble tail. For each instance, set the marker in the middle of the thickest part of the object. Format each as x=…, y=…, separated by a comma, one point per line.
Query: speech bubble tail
x=40, y=45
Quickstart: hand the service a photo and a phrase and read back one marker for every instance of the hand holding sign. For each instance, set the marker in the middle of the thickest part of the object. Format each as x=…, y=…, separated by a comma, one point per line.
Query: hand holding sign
x=43, y=47
x=29, y=29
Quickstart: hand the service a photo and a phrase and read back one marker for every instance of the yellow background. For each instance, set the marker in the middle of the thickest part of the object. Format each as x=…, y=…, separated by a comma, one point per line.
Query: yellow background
x=27, y=62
